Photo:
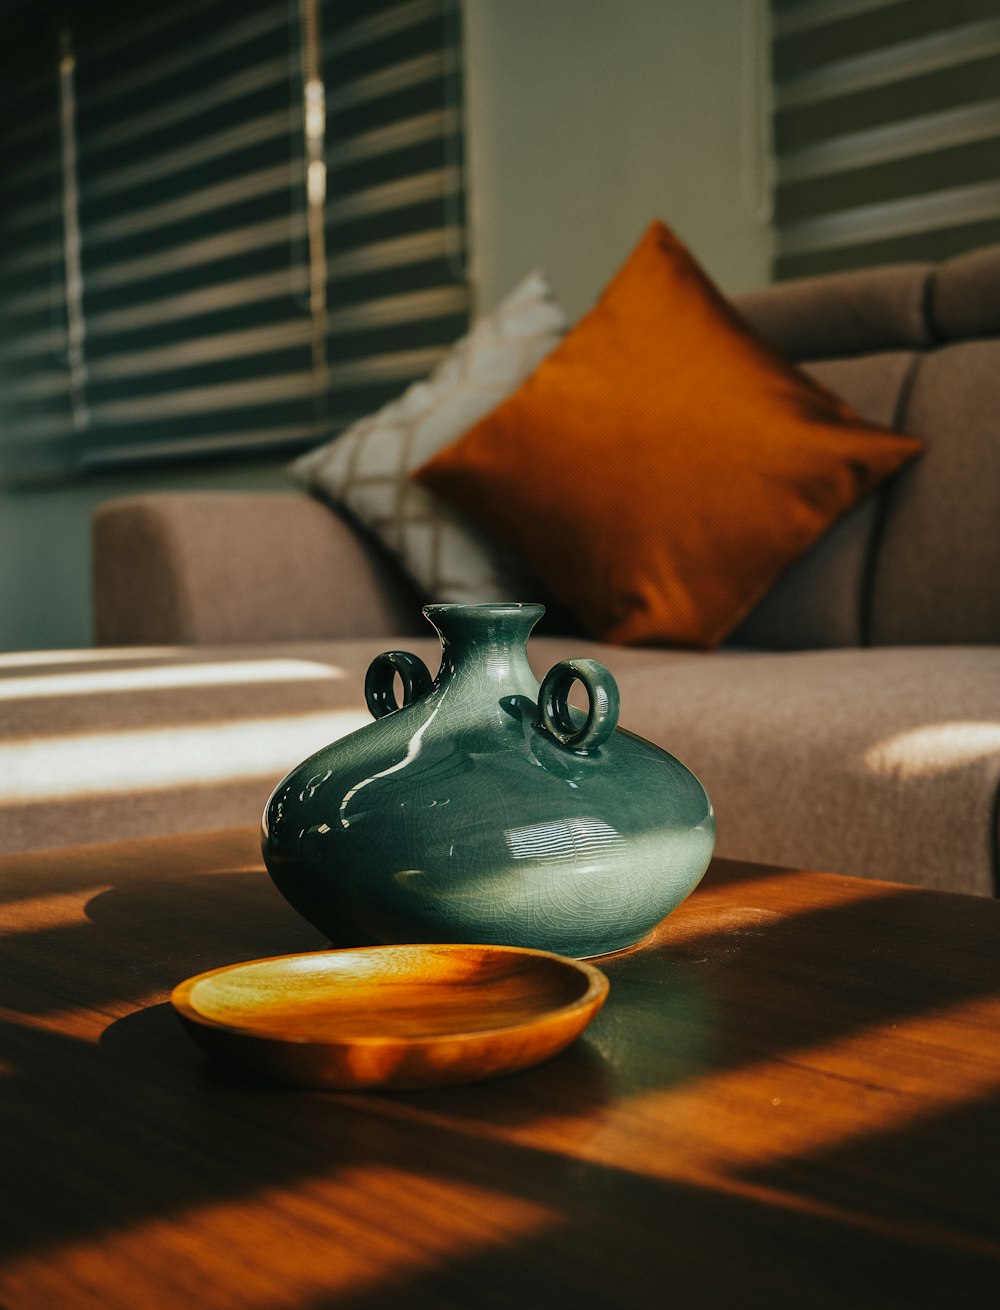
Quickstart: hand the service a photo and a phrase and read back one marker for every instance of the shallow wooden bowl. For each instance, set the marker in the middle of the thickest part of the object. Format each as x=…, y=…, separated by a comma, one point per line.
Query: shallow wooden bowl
x=392, y=1017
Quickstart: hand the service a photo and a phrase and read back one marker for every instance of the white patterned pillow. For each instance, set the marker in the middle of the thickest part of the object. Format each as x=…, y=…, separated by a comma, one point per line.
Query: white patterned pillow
x=367, y=468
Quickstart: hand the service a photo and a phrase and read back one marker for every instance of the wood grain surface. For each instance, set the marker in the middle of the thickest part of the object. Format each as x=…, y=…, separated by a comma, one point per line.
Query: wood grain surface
x=391, y=1017
x=791, y=1098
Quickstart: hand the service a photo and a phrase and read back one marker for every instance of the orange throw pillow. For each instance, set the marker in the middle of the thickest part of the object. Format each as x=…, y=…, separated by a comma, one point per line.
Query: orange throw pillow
x=663, y=466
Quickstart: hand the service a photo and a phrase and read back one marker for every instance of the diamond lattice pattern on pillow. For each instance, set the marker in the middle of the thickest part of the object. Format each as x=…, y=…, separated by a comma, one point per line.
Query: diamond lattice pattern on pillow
x=366, y=470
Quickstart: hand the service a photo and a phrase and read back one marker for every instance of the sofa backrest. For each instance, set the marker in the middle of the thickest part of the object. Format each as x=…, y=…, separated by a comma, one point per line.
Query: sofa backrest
x=917, y=348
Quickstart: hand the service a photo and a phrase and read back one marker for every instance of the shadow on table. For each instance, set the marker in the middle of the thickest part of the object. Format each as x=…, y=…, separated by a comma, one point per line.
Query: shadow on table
x=605, y=1236
x=107, y=1115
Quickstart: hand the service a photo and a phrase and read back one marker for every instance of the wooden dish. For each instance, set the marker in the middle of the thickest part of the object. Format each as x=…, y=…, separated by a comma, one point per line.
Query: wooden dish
x=392, y=1017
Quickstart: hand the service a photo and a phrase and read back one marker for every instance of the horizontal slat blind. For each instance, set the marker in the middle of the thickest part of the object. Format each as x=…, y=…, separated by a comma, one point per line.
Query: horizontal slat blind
x=36, y=377
x=190, y=159
x=394, y=215
x=198, y=269
x=886, y=129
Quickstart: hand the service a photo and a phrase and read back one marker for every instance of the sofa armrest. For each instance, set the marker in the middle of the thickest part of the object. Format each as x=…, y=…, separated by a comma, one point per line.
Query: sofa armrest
x=198, y=567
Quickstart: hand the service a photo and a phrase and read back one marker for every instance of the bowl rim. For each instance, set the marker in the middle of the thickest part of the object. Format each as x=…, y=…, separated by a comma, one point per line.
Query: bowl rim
x=590, y=1000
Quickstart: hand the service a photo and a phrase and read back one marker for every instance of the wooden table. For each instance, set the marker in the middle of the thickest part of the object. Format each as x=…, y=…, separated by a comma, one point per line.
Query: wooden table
x=791, y=1098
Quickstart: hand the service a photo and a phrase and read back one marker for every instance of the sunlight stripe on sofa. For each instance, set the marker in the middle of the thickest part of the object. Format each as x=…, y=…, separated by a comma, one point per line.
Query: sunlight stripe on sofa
x=57, y=768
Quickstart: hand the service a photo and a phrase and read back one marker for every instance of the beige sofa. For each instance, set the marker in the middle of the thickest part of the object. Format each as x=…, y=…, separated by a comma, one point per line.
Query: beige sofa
x=852, y=724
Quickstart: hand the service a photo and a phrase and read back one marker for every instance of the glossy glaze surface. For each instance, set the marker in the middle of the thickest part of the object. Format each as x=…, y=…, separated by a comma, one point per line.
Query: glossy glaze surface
x=467, y=815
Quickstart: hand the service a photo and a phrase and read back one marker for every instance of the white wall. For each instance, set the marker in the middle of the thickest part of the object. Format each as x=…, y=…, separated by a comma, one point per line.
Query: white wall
x=586, y=119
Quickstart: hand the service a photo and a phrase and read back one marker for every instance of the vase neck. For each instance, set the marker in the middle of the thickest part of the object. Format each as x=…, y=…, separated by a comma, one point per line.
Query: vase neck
x=487, y=643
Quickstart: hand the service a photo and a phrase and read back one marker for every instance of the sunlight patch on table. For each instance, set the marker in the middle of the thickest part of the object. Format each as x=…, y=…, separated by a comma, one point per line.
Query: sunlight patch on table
x=710, y=913
x=59, y=768
x=719, y=1129
x=718, y=1124
x=349, y=1234
x=45, y=913
x=86, y=1024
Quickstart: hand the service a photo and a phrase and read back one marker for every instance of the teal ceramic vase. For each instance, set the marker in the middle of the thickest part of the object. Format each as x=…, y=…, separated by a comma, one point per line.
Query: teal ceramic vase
x=485, y=808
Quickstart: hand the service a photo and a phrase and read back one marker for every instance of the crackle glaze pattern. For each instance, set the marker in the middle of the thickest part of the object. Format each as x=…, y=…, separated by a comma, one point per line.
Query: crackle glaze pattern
x=468, y=816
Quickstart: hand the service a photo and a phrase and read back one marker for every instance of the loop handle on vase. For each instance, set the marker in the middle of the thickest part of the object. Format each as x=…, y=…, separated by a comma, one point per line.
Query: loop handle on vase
x=380, y=694
x=602, y=713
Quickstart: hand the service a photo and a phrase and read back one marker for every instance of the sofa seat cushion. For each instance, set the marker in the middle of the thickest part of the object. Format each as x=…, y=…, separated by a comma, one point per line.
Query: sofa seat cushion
x=125, y=742
x=882, y=762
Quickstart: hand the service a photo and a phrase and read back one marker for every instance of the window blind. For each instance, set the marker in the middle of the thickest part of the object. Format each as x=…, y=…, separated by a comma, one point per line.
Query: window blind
x=225, y=228
x=886, y=130
x=37, y=375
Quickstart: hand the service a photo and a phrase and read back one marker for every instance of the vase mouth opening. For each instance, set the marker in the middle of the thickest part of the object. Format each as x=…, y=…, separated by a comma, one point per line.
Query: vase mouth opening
x=510, y=609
